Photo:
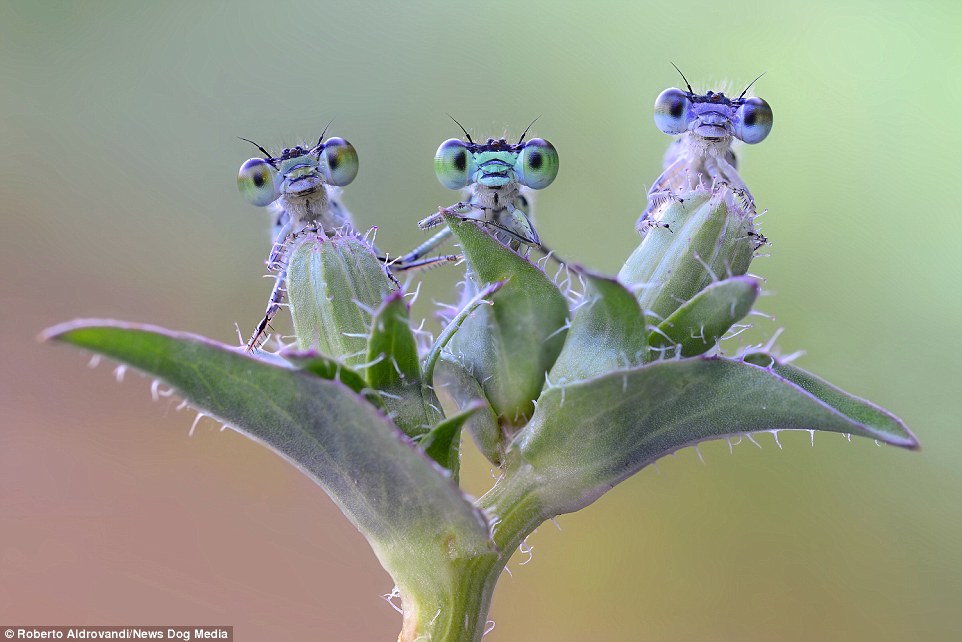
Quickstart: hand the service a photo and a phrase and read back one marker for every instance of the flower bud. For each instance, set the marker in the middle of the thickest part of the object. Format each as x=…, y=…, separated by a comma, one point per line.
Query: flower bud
x=334, y=284
x=704, y=236
x=508, y=346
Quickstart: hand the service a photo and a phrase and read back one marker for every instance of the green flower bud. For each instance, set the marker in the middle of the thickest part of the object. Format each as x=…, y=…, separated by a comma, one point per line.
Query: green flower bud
x=508, y=346
x=334, y=285
x=704, y=236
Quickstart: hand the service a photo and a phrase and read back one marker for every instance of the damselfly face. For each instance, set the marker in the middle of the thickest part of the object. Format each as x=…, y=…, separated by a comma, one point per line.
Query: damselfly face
x=496, y=163
x=713, y=117
x=298, y=172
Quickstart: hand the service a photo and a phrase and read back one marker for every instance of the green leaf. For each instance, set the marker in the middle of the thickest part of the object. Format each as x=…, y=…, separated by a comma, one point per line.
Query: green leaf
x=415, y=518
x=510, y=345
x=443, y=442
x=607, y=333
x=462, y=388
x=696, y=327
x=889, y=427
x=482, y=297
x=325, y=367
x=466, y=392
x=394, y=369
x=587, y=437
x=333, y=285
x=392, y=347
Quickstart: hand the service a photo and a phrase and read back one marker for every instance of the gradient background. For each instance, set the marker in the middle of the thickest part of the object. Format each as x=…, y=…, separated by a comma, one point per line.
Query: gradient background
x=118, y=126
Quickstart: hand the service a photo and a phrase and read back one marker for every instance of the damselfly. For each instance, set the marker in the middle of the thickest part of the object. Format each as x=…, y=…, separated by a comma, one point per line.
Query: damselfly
x=493, y=175
x=301, y=188
x=707, y=124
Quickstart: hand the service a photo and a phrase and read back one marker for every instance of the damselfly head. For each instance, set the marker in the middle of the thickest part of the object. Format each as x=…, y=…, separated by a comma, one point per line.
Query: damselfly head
x=713, y=116
x=496, y=163
x=298, y=171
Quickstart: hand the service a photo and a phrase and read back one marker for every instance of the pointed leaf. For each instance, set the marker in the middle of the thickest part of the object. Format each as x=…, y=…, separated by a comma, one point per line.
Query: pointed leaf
x=607, y=333
x=462, y=388
x=413, y=516
x=508, y=346
x=443, y=442
x=587, y=437
x=696, y=326
x=323, y=366
x=466, y=392
x=394, y=369
x=857, y=410
x=482, y=297
x=392, y=347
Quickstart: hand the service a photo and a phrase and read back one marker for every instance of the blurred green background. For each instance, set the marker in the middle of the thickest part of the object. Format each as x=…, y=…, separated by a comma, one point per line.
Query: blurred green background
x=118, y=154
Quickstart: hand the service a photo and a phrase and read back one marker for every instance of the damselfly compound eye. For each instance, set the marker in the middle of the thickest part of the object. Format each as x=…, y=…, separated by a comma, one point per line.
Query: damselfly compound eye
x=340, y=161
x=753, y=121
x=537, y=165
x=452, y=164
x=672, y=111
x=256, y=182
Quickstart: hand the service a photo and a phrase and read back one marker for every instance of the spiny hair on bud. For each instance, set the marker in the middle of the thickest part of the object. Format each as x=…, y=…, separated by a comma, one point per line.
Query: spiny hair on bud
x=156, y=392
x=632, y=361
x=390, y=598
x=193, y=426
x=735, y=330
x=525, y=549
x=414, y=295
x=367, y=364
x=562, y=328
x=701, y=457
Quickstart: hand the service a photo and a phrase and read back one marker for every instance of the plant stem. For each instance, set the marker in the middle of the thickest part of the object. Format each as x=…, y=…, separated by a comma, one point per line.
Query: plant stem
x=459, y=614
